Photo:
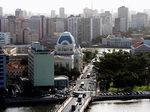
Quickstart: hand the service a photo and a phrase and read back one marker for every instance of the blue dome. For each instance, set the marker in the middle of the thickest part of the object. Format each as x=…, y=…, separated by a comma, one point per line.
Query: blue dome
x=66, y=38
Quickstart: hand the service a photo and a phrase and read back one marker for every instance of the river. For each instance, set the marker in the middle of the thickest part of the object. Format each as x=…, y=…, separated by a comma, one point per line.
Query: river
x=39, y=108
x=120, y=106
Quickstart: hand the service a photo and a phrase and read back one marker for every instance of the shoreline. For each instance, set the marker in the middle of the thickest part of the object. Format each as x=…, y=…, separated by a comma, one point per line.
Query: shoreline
x=120, y=97
x=29, y=101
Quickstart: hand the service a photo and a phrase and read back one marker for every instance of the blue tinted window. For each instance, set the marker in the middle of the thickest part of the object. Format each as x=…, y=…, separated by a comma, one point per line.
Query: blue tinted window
x=67, y=38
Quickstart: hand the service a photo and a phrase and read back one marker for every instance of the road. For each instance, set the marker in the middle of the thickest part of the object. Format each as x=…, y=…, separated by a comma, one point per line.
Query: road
x=88, y=89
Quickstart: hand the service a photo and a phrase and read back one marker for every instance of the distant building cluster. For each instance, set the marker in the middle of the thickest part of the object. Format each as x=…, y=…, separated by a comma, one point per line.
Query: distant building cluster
x=25, y=28
x=22, y=36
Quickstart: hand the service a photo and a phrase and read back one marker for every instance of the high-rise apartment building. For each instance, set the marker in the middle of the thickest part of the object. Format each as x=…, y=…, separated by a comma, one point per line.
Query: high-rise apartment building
x=19, y=13
x=35, y=26
x=139, y=20
x=1, y=11
x=73, y=26
x=88, y=29
x=61, y=25
x=89, y=12
x=53, y=14
x=62, y=12
x=51, y=26
x=41, y=66
x=123, y=15
x=84, y=29
x=106, y=23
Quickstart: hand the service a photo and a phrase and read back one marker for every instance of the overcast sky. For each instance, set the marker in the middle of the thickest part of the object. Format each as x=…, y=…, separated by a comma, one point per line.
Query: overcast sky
x=71, y=6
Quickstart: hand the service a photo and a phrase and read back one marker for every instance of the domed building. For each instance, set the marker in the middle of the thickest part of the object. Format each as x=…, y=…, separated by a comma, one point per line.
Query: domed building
x=67, y=53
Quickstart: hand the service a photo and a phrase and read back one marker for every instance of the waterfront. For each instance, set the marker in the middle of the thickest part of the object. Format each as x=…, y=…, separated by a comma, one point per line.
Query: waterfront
x=142, y=105
x=39, y=108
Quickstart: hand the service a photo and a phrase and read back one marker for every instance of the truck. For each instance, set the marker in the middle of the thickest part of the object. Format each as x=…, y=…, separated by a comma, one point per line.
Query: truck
x=73, y=107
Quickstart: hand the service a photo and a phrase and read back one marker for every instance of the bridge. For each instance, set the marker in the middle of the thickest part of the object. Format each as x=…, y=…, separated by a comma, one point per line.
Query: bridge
x=87, y=89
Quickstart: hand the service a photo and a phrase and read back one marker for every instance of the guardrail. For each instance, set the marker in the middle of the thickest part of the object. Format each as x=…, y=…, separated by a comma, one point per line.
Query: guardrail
x=64, y=104
x=86, y=103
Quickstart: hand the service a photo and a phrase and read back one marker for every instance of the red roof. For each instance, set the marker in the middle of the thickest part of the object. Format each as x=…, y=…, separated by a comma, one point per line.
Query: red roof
x=136, y=45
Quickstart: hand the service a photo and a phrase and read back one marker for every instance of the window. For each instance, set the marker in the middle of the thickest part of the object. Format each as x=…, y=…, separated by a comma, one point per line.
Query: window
x=1, y=78
x=1, y=74
x=67, y=65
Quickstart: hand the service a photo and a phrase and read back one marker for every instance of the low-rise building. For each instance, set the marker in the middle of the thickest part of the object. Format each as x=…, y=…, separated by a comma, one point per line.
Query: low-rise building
x=113, y=41
x=140, y=47
x=61, y=82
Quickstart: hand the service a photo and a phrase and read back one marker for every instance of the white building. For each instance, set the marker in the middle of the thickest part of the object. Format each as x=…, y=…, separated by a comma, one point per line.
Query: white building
x=139, y=20
x=112, y=41
x=106, y=23
x=53, y=14
x=5, y=38
x=73, y=25
x=67, y=54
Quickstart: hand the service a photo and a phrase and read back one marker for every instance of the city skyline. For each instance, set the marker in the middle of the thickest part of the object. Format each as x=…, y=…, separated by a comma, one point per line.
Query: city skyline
x=44, y=7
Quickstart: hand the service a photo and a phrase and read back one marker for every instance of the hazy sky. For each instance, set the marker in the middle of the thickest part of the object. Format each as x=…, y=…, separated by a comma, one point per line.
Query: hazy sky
x=71, y=6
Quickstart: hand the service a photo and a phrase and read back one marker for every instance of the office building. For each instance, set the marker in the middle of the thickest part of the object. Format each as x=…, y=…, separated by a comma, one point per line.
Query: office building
x=3, y=68
x=41, y=66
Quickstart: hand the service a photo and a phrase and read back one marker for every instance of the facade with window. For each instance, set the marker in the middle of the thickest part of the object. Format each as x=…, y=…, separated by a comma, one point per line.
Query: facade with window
x=3, y=68
x=5, y=38
x=67, y=53
x=41, y=66
x=61, y=82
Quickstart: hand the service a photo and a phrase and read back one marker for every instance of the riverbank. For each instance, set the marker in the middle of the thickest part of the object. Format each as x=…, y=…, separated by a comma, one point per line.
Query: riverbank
x=30, y=101
x=120, y=97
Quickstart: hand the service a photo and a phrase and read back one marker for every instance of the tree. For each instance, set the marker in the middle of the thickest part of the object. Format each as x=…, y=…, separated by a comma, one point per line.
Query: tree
x=123, y=69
